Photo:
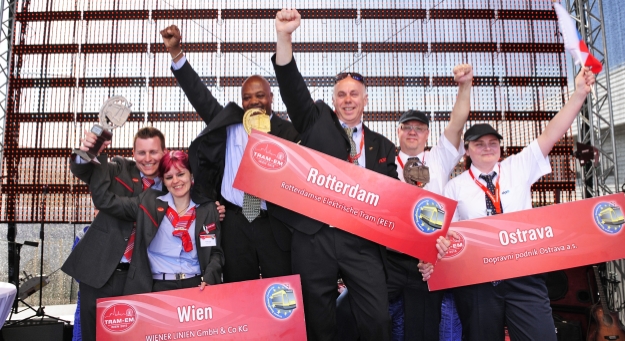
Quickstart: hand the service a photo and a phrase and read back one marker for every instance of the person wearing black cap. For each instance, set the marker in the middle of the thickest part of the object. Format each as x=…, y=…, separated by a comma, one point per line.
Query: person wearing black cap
x=422, y=308
x=490, y=187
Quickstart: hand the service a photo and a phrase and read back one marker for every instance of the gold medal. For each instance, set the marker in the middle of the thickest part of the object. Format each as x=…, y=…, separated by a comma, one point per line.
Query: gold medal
x=256, y=119
x=416, y=173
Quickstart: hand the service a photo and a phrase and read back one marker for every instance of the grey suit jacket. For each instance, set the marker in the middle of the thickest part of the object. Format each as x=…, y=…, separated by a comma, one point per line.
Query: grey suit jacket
x=94, y=259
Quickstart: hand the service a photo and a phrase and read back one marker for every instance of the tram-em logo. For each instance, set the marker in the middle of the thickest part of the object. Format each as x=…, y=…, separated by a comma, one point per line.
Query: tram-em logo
x=119, y=317
x=269, y=155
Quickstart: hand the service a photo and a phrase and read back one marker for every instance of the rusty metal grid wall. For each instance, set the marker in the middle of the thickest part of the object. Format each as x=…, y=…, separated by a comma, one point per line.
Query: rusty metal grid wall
x=70, y=56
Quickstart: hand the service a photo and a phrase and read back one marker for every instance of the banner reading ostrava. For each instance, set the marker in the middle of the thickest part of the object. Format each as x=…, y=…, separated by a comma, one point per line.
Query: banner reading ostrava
x=533, y=241
x=264, y=309
x=357, y=200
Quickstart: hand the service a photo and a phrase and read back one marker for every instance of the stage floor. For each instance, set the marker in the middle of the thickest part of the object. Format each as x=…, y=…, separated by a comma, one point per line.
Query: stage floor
x=64, y=312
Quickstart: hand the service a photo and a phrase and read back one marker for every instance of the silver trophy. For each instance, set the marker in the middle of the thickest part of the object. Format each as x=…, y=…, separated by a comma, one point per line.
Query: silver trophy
x=113, y=114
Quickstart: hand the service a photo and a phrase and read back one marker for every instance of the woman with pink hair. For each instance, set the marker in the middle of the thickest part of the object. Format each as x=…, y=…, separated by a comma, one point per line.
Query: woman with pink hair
x=177, y=242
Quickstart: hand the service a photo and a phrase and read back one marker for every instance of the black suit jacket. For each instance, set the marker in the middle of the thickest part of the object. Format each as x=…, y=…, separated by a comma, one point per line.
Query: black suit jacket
x=207, y=153
x=148, y=211
x=94, y=259
x=321, y=130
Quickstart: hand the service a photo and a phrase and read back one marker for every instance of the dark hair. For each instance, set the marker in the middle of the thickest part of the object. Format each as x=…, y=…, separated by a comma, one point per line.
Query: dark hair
x=174, y=158
x=467, y=158
x=148, y=133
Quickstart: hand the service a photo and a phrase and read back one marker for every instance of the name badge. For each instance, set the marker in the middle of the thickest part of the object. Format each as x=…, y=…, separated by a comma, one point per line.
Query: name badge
x=207, y=240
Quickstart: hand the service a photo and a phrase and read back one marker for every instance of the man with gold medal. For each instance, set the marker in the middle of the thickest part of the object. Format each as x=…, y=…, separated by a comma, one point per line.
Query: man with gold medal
x=255, y=244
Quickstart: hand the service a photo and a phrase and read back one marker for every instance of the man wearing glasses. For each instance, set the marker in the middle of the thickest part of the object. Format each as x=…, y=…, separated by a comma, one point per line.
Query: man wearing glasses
x=429, y=170
x=320, y=253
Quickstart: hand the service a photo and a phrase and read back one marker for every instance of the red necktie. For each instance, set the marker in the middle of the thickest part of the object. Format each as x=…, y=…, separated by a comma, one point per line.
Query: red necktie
x=147, y=183
x=181, y=226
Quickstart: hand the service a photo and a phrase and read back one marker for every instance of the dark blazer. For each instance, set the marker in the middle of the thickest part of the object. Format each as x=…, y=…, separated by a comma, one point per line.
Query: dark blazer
x=207, y=153
x=321, y=130
x=148, y=211
x=94, y=259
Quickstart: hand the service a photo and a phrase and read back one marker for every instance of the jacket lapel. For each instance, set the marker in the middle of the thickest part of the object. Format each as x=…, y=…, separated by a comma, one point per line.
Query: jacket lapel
x=371, y=147
x=276, y=125
x=137, y=183
x=200, y=217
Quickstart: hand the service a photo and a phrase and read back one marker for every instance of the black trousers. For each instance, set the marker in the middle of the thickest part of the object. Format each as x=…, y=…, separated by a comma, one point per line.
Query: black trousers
x=88, y=296
x=319, y=259
x=250, y=249
x=164, y=285
x=422, y=308
x=520, y=303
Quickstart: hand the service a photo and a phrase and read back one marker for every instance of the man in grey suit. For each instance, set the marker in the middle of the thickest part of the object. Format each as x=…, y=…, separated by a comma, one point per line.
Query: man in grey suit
x=101, y=262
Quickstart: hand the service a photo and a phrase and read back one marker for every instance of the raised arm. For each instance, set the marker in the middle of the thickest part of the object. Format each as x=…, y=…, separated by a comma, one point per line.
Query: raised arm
x=463, y=75
x=124, y=208
x=299, y=103
x=562, y=121
x=196, y=91
x=287, y=21
x=83, y=169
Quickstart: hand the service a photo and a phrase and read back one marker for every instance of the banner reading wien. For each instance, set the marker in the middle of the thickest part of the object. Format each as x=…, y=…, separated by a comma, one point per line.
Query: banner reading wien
x=533, y=241
x=368, y=204
x=264, y=309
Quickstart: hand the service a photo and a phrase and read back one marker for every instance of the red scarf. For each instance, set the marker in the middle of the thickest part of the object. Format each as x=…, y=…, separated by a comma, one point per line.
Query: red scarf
x=181, y=226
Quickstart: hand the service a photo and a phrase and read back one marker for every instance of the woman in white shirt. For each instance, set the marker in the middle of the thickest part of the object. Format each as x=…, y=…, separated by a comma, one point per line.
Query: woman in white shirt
x=490, y=187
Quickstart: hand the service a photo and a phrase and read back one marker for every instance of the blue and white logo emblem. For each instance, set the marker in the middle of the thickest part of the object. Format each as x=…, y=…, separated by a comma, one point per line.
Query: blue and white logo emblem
x=608, y=217
x=428, y=215
x=280, y=301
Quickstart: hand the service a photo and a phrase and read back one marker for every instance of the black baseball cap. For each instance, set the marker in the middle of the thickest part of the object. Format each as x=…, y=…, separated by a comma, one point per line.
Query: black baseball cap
x=479, y=130
x=414, y=115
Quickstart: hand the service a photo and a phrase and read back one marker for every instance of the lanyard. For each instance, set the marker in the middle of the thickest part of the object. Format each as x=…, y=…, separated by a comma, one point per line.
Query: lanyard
x=496, y=200
x=401, y=163
x=362, y=144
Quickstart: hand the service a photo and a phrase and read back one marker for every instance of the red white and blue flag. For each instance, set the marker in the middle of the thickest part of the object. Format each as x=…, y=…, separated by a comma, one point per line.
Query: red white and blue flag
x=573, y=41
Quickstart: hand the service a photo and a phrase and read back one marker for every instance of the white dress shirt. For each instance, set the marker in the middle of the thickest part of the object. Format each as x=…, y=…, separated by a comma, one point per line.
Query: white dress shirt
x=236, y=141
x=516, y=174
x=440, y=160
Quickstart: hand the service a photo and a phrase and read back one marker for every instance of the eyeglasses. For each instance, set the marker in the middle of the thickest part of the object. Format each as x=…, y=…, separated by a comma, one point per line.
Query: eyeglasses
x=417, y=129
x=355, y=76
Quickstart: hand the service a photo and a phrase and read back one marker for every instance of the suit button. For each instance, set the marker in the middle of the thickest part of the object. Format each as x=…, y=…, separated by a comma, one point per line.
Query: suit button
x=126, y=239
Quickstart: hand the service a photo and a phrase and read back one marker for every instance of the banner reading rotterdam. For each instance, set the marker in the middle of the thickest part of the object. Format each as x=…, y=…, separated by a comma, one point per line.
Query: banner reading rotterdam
x=264, y=309
x=336, y=192
x=533, y=241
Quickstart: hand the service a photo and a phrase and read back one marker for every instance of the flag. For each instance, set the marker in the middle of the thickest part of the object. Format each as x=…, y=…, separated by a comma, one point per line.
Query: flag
x=573, y=41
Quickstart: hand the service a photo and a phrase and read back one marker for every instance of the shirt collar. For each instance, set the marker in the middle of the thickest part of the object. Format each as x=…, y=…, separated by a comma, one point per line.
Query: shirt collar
x=404, y=157
x=157, y=180
x=358, y=128
x=169, y=199
x=477, y=172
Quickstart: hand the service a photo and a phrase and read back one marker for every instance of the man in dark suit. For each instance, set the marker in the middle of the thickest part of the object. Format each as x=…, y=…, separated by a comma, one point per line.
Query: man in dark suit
x=101, y=262
x=320, y=252
x=254, y=245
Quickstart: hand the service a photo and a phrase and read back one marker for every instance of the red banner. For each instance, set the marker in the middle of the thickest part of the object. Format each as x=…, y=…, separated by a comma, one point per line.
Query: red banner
x=357, y=200
x=266, y=309
x=533, y=241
